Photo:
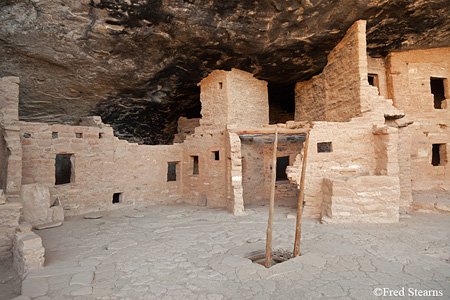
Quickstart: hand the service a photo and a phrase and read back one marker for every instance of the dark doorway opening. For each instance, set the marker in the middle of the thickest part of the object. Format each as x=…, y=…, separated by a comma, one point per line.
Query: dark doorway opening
x=63, y=168
x=437, y=89
x=282, y=163
x=281, y=103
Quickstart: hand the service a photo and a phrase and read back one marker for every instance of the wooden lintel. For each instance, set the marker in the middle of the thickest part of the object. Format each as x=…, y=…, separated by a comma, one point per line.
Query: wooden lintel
x=272, y=131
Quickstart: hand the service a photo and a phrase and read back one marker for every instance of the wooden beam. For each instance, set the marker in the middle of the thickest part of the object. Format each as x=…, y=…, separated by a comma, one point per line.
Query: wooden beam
x=298, y=225
x=268, y=262
x=272, y=131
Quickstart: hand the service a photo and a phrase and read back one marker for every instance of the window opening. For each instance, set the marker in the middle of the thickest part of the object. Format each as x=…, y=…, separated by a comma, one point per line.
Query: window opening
x=324, y=147
x=282, y=163
x=172, y=171
x=195, y=170
x=78, y=135
x=100, y=135
x=117, y=198
x=216, y=155
x=54, y=135
x=439, y=154
x=63, y=168
x=437, y=89
x=220, y=85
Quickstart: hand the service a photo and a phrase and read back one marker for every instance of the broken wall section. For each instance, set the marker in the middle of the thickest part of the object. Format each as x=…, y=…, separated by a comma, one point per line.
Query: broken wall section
x=10, y=147
x=334, y=95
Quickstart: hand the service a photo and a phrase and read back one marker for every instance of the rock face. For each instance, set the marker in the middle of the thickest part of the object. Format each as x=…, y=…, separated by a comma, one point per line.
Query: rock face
x=136, y=62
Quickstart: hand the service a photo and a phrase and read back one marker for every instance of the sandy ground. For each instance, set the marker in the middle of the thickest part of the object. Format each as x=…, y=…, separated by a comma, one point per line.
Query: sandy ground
x=186, y=252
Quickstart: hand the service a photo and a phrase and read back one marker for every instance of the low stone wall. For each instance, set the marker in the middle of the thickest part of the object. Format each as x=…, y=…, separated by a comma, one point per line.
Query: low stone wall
x=367, y=199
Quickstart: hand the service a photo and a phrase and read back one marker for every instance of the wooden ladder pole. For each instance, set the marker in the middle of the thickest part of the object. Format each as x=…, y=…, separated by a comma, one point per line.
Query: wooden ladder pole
x=268, y=262
x=298, y=225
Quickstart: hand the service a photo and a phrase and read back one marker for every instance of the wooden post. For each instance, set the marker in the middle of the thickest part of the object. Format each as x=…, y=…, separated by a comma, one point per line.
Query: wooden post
x=298, y=225
x=268, y=262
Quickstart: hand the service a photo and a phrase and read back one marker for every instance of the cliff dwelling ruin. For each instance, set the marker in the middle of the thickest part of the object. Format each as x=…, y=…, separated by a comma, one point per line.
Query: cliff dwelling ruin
x=376, y=129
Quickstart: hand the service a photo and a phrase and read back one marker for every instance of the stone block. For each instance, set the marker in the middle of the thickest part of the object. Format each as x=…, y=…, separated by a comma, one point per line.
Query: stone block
x=28, y=253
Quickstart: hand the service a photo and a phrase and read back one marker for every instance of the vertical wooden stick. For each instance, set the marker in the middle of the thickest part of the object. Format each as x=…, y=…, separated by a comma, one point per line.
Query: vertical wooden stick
x=298, y=225
x=268, y=262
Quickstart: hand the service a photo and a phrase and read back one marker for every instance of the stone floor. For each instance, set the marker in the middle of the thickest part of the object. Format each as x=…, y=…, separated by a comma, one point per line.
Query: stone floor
x=185, y=252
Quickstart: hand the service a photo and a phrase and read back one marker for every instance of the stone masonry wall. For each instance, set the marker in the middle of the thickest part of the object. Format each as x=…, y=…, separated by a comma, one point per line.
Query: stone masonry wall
x=257, y=172
x=408, y=78
x=9, y=220
x=366, y=199
x=248, y=102
x=214, y=99
x=209, y=186
x=102, y=165
x=377, y=66
x=334, y=95
x=10, y=148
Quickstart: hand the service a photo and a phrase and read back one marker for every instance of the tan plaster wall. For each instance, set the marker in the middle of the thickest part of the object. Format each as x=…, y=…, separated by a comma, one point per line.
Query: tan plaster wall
x=408, y=78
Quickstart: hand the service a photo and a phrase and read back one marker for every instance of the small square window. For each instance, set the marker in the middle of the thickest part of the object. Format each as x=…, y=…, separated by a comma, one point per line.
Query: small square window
x=54, y=135
x=117, y=198
x=323, y=147
x=27, y=135
x=100, y=135
x=78, y=135
x=220, y=85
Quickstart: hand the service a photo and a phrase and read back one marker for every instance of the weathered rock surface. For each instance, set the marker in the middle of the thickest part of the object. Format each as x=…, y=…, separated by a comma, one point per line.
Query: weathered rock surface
x=136, y=63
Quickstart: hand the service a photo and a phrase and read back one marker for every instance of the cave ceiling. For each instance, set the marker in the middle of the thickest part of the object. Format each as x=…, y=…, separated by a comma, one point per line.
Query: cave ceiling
x=136, y=63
